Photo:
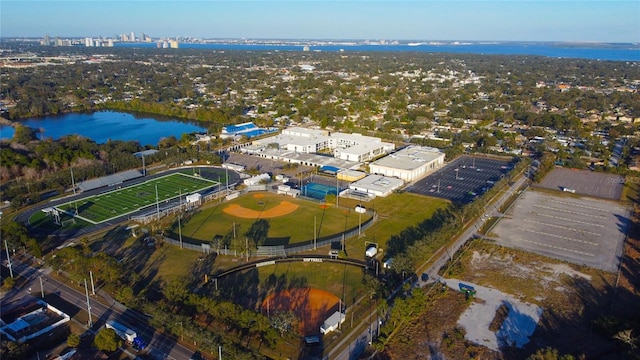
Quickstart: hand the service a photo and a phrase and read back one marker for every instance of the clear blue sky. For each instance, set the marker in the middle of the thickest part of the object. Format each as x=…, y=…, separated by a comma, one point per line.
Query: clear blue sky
x=541, y=20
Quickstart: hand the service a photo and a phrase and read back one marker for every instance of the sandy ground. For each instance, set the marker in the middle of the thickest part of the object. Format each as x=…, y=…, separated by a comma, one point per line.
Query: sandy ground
x=516, y=329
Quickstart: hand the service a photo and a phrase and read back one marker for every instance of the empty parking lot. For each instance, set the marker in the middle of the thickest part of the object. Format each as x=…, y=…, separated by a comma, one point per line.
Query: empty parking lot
x=584, y=182
x=462, y=179
x=579, y=230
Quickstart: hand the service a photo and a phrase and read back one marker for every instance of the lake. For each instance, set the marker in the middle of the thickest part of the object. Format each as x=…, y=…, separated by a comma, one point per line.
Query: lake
x=102, y=126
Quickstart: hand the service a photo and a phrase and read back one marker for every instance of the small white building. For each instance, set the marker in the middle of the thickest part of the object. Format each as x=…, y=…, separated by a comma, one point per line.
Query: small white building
x=332, y=323
x=194, y=198
x=377, y=185
x=256, y=180
x=287, y=190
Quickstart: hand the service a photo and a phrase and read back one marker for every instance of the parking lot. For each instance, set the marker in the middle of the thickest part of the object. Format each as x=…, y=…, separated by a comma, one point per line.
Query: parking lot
x=584, y=231
x=463, y=179
x=584, y=182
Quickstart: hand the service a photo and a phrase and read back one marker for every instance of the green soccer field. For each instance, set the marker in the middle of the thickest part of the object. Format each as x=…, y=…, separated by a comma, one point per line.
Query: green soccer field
x=123, y=201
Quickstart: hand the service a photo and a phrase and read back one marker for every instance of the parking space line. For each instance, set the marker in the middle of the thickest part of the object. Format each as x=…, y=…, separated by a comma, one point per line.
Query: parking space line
x=561, y=237
x=557, y=247
x=570, y=212
x=572, y=220
x=562, y=227
x=580, y=206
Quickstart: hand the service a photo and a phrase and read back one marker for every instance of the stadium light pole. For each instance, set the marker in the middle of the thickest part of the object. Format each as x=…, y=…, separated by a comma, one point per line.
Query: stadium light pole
x=144, y=172
x=157, y=204
x=179, y=218
x=314, y=233
x=73, y=182
x=180, y=229
x=337, y=191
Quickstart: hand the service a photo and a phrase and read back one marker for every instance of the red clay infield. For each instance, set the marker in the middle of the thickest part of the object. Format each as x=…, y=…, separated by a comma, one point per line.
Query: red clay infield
x=311, y=306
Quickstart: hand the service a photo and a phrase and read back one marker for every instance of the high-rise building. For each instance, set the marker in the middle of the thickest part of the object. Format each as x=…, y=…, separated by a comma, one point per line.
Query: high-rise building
x=173, y=44
x=132, y=37
x=88, y=42
x=45, y=41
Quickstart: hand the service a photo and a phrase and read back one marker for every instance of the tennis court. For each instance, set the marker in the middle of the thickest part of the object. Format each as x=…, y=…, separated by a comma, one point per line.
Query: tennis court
x=123, y=201
x=318, y=191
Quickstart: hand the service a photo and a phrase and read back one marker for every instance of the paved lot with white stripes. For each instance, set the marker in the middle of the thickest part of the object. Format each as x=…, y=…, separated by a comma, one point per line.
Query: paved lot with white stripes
x=462, y=179
x=579, y=230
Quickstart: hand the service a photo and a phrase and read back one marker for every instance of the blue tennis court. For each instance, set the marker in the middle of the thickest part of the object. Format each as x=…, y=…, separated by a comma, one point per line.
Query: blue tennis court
x=318, y=191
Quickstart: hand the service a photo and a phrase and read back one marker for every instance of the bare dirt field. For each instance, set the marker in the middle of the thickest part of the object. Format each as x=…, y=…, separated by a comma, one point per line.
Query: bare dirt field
x=580, y=309
x=311, y=306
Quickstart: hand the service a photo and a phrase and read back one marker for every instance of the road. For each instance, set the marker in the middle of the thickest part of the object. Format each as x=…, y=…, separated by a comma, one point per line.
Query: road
x=365, y=336
x=161, y=346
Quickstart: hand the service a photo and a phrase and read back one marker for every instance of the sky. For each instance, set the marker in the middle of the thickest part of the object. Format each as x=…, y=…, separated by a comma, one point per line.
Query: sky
x=501, y=20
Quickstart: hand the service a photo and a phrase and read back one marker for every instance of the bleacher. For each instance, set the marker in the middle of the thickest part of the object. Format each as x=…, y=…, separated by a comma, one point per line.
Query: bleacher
x=109, y=180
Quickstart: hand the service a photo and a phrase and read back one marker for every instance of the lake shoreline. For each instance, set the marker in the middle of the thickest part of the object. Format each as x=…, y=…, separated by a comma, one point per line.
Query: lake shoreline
x=105, y=125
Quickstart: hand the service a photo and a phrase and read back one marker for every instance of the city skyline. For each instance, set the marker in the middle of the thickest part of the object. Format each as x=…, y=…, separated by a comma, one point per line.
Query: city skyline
x=502, y=20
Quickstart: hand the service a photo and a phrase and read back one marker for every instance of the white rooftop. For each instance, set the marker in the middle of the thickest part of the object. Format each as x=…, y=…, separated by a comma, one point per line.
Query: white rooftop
x=409, y=158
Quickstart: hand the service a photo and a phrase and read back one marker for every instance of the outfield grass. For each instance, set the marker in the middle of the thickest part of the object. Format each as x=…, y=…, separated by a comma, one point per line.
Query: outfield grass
x=326, y=276
x=396, y=212
x=295, y=227
x=100, y=208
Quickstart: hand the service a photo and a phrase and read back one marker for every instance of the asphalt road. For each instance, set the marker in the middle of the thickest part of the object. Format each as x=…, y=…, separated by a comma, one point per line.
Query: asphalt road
x=161, y=346
x=369, y=332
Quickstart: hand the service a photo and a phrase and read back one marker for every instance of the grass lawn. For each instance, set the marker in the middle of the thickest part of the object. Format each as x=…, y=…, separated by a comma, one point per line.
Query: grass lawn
x=326, y=276
x=294, y=227
x=396, y=212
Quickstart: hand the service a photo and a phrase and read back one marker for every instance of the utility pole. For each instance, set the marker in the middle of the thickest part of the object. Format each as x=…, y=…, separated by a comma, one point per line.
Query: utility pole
x=41, y=287
x=86, y=290
x=315, y=232
x=93, y=288
x=6, y=247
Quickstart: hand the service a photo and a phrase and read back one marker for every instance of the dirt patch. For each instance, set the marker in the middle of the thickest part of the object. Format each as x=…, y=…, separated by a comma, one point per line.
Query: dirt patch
x=281, y=209
x=575, y=300
x=311, y=306
x=258, y=196
x=324, y=206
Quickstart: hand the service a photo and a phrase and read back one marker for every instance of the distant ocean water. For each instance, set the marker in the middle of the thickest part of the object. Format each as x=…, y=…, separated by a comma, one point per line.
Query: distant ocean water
x=612, y=52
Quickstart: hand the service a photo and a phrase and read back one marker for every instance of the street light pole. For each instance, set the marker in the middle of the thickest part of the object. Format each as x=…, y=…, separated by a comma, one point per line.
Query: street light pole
x=86, y=290
x=93, y=288
x=6, y=247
